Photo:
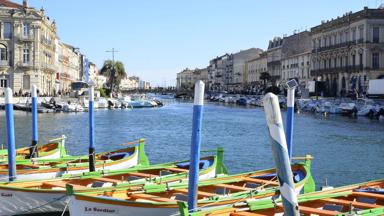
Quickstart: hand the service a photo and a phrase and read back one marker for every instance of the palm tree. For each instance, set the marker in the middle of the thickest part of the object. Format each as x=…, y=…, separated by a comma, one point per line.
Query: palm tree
x=115, y=73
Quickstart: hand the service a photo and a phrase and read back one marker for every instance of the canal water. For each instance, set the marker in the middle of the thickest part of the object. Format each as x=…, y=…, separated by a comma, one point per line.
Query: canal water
x=345, y=150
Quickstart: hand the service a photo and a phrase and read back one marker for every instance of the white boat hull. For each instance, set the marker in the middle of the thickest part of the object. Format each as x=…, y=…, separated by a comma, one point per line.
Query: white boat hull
x=36, y=175
x=55, y=155
x=85, y=208
x=20, y=202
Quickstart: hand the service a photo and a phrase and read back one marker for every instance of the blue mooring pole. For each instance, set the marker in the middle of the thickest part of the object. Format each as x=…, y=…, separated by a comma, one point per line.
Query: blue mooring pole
x=35, y=129
x=10, y=134
x=91, y=129
x=195, y=145
x=290, y=114
x=280, y=154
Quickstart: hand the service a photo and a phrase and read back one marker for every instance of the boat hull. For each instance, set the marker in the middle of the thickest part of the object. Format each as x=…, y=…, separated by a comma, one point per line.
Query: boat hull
x=18, y=202
x=37, y=174
x=80, y=208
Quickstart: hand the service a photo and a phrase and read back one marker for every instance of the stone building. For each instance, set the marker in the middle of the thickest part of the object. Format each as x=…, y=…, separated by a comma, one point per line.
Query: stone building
x=238, y=78
x=28, y=44
x=219, y=71
x=70, y=66
x=348, y=51
x=187, y=78
x=295, y=58
x=255, y=67
x=274, y=59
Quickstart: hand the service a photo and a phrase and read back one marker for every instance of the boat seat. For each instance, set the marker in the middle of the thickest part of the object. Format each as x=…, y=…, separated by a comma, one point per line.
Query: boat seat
x=165, y=172
x=366, y=200
x=132, y=178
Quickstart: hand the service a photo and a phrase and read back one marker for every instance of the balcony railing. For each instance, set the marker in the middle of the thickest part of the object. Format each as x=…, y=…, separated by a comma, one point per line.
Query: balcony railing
x=25, y=64
x=29, y=37
x=347, y=69
x=49, y=67
x=4, y=63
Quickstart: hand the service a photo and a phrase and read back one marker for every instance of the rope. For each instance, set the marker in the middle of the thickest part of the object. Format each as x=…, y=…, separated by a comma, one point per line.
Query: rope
x=37, y=207
x=65, y=208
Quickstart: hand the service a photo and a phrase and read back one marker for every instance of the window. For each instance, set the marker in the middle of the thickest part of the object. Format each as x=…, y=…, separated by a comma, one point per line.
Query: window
x=375, y=60
x=354, y=35
x=3, y=52
x=7, y=30
x=334, y=63
x=341, y=62
x=329, y=63
x=26, y=82
x=346, y=61
x=346, y=36
x=26, y=29
x=26, y=54
x=353, y=59
x=360, y=59
x=361, y=33
x=341, y=37
x=376, y=34
x=3, y=83
x=334, y=39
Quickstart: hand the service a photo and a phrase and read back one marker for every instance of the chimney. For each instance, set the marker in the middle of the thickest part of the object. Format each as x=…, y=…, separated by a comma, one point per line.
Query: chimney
x=25, y=3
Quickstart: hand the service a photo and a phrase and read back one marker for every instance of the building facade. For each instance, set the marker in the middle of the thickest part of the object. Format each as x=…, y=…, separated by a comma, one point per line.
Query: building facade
x=186, y=79
x=255, y=68
x=219, y=72
x=31, y=52
x=348, y=51
x=295, y=58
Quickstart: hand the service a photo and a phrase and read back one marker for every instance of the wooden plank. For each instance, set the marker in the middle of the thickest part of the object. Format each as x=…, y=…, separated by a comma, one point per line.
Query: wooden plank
x=103, y=179
x=354, y=203
x=233, y=187
x=175, y=169
x=200, y=193
x=261, y=181
x=145, y=175
x=150, y=197
x=370, y=195
x=63, y=185
x=309, y=210
x=245, y=214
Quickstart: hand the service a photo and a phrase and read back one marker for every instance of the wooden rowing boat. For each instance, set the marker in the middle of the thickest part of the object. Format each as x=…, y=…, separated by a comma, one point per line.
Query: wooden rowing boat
x=359, y=199
x=163, y=200
x=55, y=149
x=114, y=160
x=43, y=196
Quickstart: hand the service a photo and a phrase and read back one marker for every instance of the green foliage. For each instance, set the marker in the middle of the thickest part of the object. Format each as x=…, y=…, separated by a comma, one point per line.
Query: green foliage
x=103, y=92
x=114, y=72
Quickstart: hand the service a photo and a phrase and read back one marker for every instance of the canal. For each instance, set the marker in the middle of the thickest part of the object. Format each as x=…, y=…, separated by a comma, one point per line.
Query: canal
x=345, y=150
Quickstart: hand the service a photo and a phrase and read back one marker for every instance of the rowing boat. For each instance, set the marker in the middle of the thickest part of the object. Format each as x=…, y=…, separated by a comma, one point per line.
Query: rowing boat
x=359, y=199
x=114, y=160
x=43, y=196
x=163, y=200
x=55, y=149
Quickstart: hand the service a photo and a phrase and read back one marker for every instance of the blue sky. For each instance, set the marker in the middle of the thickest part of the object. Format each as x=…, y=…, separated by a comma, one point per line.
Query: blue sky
x=158, y=38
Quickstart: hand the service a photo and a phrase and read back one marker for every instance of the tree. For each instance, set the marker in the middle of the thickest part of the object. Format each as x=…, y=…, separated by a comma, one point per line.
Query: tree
x=265, y=77
x=114, y=73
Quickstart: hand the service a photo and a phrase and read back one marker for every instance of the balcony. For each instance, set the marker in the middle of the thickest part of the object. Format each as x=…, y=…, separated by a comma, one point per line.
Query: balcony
x=4, y=63
x=49, y=67
x=347, y=69
x=25, y=65
x=24, y=38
